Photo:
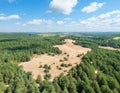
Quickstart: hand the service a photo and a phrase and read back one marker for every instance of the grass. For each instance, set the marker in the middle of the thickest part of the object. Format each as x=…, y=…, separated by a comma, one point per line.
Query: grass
x=46, y=35
x=116, y=38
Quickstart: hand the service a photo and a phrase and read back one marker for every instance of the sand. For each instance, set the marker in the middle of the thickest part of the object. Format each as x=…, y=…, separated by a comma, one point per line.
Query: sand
x=109, y=48
x=54, y=61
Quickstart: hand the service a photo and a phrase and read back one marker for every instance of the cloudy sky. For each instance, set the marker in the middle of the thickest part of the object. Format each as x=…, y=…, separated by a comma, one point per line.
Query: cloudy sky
x=59, y=15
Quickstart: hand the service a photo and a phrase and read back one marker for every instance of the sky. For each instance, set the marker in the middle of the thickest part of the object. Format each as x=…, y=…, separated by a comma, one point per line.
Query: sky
x=59, y=15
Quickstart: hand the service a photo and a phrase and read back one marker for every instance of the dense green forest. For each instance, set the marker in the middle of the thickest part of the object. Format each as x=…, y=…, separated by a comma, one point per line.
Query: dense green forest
x=98, y=72
x=84, y=79
x=20, y=47
x=93, y=41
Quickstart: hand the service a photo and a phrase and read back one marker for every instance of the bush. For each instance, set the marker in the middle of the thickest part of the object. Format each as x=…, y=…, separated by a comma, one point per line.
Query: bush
x=47, y=76
x=66, y=65
x=40, y=66
x=61, y=60
x=65, y=59
x=79, y=55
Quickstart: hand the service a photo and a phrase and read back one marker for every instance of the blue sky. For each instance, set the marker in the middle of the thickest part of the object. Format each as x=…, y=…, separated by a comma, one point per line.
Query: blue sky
x=59, y=15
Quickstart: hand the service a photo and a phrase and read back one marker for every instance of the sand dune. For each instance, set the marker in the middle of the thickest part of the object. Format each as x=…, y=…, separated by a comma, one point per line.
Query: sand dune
x=54, y=61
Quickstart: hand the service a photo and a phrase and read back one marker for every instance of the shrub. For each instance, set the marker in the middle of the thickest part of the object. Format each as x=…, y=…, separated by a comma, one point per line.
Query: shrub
x=61, y=60
x=65, y=59
x=47, y=76
x=40, y=66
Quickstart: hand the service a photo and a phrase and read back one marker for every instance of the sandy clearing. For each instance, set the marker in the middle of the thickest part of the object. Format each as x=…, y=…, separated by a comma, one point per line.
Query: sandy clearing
x=54, y=61
x=109, y=48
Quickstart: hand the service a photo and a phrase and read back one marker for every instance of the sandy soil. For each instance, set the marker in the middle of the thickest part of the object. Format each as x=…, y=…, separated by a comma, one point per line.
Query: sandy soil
x=109, y=48
x=54, y=61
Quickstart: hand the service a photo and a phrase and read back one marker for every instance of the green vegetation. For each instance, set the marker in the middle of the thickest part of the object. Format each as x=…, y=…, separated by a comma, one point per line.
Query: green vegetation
x=47, y=34
x=16, y=79
x=102, y=76
x=116, y=38
x=47, y=76
x=20, y=47
x=94, y=41
x=59, y=68
x=79, y=55
x=83, y=79
x=47, y=68
x=65, y=65
x=61, y=60
x=65, y=59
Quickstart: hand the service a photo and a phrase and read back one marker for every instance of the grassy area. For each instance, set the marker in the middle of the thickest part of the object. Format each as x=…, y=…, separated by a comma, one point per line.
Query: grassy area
x=116, y=38
x=47, y=34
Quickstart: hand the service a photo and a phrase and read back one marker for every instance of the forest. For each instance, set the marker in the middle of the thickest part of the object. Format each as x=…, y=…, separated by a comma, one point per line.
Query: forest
x=95, y=40
x=98, y=72
x=20, y=47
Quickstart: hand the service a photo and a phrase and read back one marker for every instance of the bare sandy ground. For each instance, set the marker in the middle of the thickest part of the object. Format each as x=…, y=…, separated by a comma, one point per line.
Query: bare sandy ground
x=54, y=61
x=109, y=48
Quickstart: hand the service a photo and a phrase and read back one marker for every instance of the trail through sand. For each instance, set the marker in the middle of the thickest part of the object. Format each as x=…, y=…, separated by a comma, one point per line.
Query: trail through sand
x=54, y=61
x=109, y=48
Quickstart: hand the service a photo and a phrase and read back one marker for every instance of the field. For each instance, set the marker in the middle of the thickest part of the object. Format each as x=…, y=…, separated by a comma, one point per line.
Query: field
x=69, y=51
x=46, y=34
x=116, y=38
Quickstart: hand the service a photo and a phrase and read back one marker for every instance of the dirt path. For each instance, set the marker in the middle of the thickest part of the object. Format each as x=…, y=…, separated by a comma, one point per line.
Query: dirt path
x=109, y=48
x=70, y=51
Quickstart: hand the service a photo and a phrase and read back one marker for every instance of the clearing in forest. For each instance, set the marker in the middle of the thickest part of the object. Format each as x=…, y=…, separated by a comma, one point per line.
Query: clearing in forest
x=71, y=56
x=109, y=48
x=116, y=38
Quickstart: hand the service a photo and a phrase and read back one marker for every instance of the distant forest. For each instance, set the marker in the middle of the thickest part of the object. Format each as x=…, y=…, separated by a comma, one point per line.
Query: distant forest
x=99, y=71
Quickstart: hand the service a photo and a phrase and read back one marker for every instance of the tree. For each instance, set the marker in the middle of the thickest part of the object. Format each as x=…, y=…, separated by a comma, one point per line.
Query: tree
x=57, y=87
x=2, y=87
x=105, y=89
x=96, y=87
x=65, y=91
x=39, y=79
x=45, y=91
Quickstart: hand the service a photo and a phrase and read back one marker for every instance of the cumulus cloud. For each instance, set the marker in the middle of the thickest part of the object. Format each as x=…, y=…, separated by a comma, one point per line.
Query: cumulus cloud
x=21, y=24
x=94, y=6
x=40, y=21
x=63, y=6
x=10, y=17
x=60, y=22
x=35, y=22
x=48, y=22
x=104, y=21
x=109, y=14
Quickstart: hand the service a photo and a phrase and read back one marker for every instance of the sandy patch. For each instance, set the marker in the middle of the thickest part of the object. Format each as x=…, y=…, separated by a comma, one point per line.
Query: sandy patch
x=109, y=48
x=54, y=61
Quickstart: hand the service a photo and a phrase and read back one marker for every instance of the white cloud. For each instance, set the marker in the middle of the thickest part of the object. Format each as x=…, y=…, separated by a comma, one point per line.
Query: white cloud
x=21, y=24
x=3, y=17
x=60, y=22
x=105, y=21
x=94, y=6
x=109, y=14
x=48, y=22
x=94, y=23
x=35, y=22
x=40, y=21
x=63, y=6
